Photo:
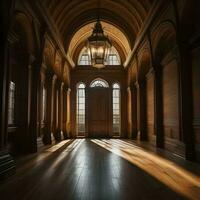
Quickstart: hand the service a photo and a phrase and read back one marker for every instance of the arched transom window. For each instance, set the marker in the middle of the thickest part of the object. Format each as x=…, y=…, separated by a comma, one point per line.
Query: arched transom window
x=99, y=83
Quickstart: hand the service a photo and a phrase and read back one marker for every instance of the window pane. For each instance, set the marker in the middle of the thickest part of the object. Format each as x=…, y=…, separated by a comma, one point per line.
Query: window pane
x=81, y=106
x=81, y=112
x=115, y=100
x=82, y=100
x=116, y=112
x=99, y=83
x=11, y=103
x=116, y=93
x=81, y=86
x=85, y=60
x=80, y=109
x=116, y=86
x=113, y=60
x=116, y=109
x=115, y=106
x=81, y=92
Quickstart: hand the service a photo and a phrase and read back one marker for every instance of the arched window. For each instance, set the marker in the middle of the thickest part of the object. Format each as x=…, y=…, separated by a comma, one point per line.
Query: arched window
x=113, y=57
x=116, y=109
x=11, y=103
x=44, y=99
x=84, y=58
x=80, y=109
x=99, y=83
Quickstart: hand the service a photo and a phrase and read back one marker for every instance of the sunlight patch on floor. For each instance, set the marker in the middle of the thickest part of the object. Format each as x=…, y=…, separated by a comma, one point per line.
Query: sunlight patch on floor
x=58, y=146
x=166, y=171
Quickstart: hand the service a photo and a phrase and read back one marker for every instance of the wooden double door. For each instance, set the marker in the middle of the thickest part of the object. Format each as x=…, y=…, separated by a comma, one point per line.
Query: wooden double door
x=98, y=112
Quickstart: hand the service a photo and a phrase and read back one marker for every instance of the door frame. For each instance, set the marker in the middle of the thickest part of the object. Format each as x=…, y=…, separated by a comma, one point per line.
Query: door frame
x=108, y=123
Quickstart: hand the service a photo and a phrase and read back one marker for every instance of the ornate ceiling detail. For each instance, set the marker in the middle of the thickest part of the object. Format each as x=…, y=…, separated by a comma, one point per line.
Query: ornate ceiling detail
x=123, y=20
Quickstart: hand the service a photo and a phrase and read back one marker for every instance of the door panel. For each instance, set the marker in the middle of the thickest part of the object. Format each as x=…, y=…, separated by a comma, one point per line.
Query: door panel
x=98, y=112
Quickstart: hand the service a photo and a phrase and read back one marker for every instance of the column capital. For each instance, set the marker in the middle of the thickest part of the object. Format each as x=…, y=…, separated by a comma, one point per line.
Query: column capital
x=65, y=88
x=62, y=86
x=69, y=90
x=150, y=72
x=54, y=78
x=58, y=82
x=140, y=82
x=133, y=86
x=43, y=66
x=137, y=84
x=49, y=74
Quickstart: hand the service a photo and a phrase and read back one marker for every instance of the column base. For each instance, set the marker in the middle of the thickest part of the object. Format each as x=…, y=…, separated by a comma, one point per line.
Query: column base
x=190, y=153
x=65, y=135
x=47, y=137
x=134, y=135
x=7, y=165
x=58, y=135
x=160, y=142
x=142, y=135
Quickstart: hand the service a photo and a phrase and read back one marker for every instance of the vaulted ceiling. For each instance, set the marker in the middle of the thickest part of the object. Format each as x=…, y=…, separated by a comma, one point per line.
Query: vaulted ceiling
x=122, y=19
x=117, y=37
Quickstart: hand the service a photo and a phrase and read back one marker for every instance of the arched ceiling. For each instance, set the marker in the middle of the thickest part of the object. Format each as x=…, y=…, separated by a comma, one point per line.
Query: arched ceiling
x=123, y=17
x=117, y=37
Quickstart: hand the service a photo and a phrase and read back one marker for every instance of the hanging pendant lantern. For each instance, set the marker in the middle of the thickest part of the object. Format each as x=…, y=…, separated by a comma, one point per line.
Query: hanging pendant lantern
x=98, y=46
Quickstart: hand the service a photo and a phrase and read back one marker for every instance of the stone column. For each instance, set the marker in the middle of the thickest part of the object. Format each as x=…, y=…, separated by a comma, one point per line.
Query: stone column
x=49, y=82
x=158, y=107
x=129, y=112
x=65, y=112
x=68, y=113
x=141, y=109
x=5, y=159
x=185, y=81
x=61, y=110
x=58, y=110
x=134, y=111
x=54, y=114
x=42, y=105
x=34, y=75
x=185, y=101
x=86, y=110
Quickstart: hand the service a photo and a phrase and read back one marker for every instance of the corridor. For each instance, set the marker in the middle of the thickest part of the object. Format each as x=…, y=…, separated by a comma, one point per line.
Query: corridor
x=101, y=170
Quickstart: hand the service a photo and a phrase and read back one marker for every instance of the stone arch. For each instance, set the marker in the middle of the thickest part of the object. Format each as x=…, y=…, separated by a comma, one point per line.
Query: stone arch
x=188, y=17
x=22, y=53
x=164, y=45
x=143, y=68
x=163, y=40
x=23, y=27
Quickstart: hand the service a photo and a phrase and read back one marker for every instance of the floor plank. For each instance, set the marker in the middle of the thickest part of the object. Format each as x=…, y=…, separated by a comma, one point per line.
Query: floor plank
x=97, y=170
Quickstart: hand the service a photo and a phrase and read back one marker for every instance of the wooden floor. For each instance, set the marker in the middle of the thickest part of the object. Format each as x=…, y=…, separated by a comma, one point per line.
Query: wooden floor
x=99, y=170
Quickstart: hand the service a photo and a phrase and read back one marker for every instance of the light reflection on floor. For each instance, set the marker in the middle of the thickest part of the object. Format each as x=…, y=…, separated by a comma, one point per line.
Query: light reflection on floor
x=169, y=173
x=71, y=147
x=57, y=146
